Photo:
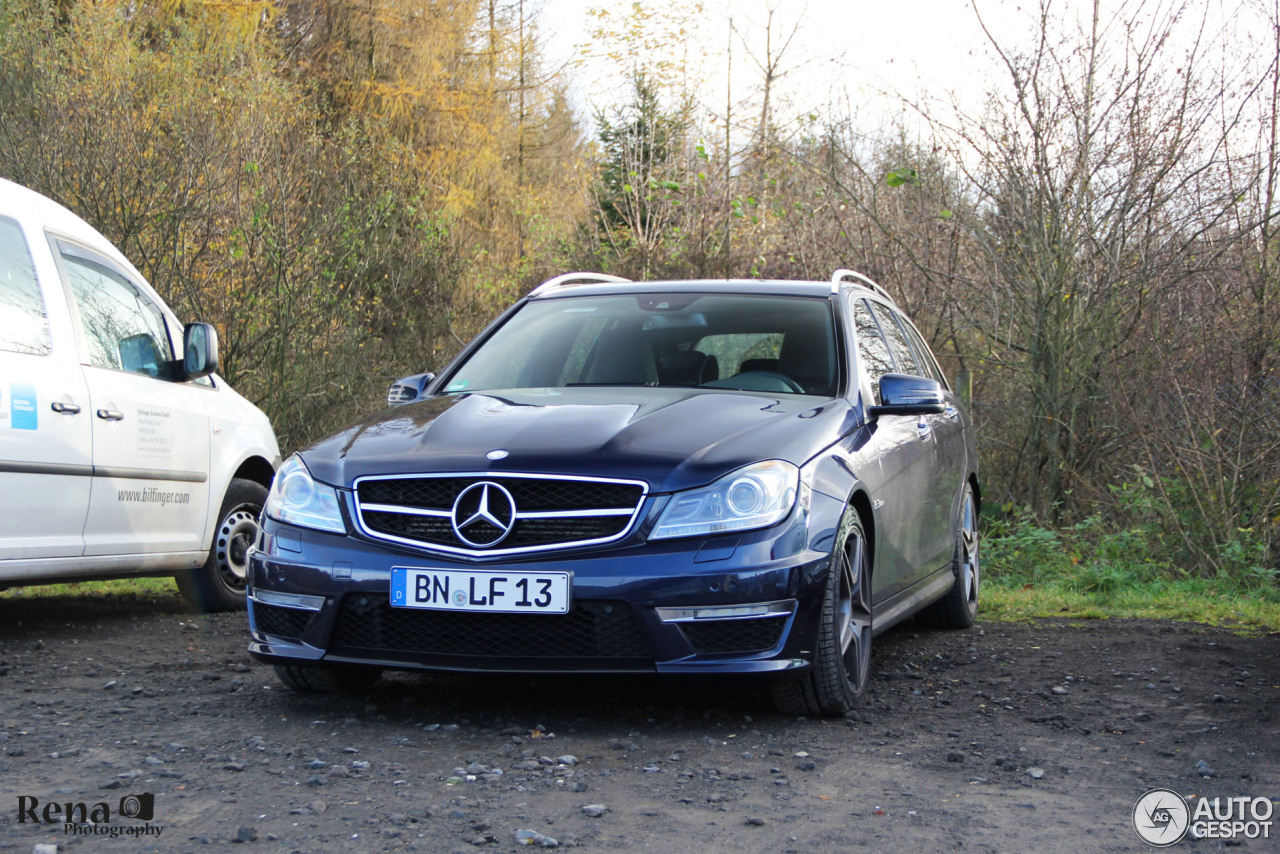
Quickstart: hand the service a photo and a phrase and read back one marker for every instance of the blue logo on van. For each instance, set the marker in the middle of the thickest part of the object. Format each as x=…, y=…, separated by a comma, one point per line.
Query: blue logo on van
x=22, y=407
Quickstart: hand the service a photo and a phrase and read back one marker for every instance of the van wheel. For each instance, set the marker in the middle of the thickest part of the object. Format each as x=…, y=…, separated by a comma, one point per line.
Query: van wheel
x=219, y=584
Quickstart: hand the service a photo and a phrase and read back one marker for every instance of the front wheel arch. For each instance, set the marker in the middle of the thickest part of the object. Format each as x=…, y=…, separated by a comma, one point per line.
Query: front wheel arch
x=257, y=469
x=861, y=503
x=841, y=667
x=219, y=583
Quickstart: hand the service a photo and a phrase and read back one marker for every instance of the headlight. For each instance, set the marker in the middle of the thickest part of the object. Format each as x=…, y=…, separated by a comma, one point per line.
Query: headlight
x=756, y=496
x=298, y=500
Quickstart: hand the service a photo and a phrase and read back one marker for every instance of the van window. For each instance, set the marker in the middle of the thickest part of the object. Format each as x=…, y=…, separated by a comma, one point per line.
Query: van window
x=122, y=328
x=24, y=324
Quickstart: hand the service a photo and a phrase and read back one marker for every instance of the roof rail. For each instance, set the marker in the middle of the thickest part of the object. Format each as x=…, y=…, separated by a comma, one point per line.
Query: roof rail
x=574, y=278
x=853, y=276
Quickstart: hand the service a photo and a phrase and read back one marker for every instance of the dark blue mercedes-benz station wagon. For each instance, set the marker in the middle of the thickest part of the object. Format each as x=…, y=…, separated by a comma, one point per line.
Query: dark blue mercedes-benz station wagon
x=695, y=477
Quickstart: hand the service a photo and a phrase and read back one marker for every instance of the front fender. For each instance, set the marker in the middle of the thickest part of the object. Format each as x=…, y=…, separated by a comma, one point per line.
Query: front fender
x=241, y=438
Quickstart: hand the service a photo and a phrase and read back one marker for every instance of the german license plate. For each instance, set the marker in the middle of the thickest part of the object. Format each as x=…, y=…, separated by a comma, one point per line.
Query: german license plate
x=463, y=590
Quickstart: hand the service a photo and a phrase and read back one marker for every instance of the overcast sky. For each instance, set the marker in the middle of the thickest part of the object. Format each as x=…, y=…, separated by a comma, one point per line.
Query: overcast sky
x=841, y=48
x=868, y=58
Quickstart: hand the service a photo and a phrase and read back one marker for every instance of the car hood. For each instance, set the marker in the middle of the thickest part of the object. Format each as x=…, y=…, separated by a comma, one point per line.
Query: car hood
x=671, y=438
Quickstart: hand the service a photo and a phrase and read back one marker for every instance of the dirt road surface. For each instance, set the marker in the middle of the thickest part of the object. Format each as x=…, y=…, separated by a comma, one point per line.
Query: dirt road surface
x=1003, y=738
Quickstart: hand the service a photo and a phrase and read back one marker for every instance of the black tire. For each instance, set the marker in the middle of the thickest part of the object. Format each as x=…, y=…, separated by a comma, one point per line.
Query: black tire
x=351, y=679
x=219, y=584
x=959, y=608
x=842, y=658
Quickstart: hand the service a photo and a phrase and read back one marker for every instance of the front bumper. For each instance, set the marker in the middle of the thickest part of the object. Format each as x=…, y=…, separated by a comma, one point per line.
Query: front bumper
x=733, y=603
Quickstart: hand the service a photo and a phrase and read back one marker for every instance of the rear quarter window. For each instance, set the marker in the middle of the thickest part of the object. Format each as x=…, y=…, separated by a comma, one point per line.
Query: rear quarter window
x=24, y=323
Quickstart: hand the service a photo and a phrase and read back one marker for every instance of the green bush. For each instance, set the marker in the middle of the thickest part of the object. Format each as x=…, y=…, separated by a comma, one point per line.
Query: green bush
x=1017, y=550
x=1138, y=545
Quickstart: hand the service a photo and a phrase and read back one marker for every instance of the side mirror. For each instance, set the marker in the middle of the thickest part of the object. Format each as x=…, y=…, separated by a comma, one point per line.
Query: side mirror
x=199, y=350
x=901, y=394
x=408, y=389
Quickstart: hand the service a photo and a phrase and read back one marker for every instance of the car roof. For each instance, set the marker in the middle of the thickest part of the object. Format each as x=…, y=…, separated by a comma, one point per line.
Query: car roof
x=594, y=284
x=763, y=287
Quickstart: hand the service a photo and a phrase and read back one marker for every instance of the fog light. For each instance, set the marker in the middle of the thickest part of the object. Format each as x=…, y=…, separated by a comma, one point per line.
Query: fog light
x=726, y=612
x=288, y=600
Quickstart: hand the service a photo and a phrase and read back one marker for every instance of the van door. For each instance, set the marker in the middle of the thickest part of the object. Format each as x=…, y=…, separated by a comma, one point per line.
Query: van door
x=45, y=443
x=150, y=433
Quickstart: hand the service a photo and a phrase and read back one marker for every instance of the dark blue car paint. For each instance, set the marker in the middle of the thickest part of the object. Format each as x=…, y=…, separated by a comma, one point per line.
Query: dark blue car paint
x=673, y=438
x=905, y=474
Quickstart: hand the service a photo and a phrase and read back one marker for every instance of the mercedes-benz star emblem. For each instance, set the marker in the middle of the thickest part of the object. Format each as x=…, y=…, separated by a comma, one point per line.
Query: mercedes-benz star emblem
x=483, y=514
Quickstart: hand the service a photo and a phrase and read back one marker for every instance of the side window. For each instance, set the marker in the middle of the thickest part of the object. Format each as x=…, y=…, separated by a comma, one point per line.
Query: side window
x=872, y=351
x=24, y=325
x=898, y=345
x=122, y=327
x=927, y=361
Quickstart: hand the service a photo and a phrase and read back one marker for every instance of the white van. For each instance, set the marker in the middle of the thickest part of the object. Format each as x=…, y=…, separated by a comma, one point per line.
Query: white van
x=118, y=457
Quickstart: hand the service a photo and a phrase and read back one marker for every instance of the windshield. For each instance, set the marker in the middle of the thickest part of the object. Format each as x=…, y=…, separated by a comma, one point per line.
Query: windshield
x=754, y=343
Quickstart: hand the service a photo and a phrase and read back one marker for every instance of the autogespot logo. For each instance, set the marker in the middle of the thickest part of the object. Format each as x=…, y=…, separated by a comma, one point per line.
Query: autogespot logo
x=1161, y=817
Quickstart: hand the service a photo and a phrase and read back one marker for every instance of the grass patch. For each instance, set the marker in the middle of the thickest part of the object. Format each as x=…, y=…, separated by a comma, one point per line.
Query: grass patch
x=141, y=588
x=1171, y=601
x=1091, y=571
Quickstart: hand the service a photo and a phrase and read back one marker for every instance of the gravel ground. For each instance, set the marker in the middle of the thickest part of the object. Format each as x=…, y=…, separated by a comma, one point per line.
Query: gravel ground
x=1002, y=738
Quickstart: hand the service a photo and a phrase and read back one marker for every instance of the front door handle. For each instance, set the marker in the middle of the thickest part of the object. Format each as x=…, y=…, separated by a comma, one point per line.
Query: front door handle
x=110, y=415
x=65, y=408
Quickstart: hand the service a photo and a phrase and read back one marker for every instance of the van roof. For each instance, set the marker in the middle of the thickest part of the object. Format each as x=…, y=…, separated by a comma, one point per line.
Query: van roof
x=41, y=213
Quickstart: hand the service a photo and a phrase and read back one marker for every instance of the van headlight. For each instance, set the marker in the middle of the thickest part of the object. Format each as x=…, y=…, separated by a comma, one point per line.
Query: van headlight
x=755, y=496
x=296, y=499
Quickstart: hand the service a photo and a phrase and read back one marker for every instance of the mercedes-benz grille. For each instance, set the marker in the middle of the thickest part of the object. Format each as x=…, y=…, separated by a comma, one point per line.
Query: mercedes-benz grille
x=490, y=514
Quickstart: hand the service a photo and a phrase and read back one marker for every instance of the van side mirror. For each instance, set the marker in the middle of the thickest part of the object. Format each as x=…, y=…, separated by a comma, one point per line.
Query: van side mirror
x=408, y=389
x=199, y=350
x=901, y=394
